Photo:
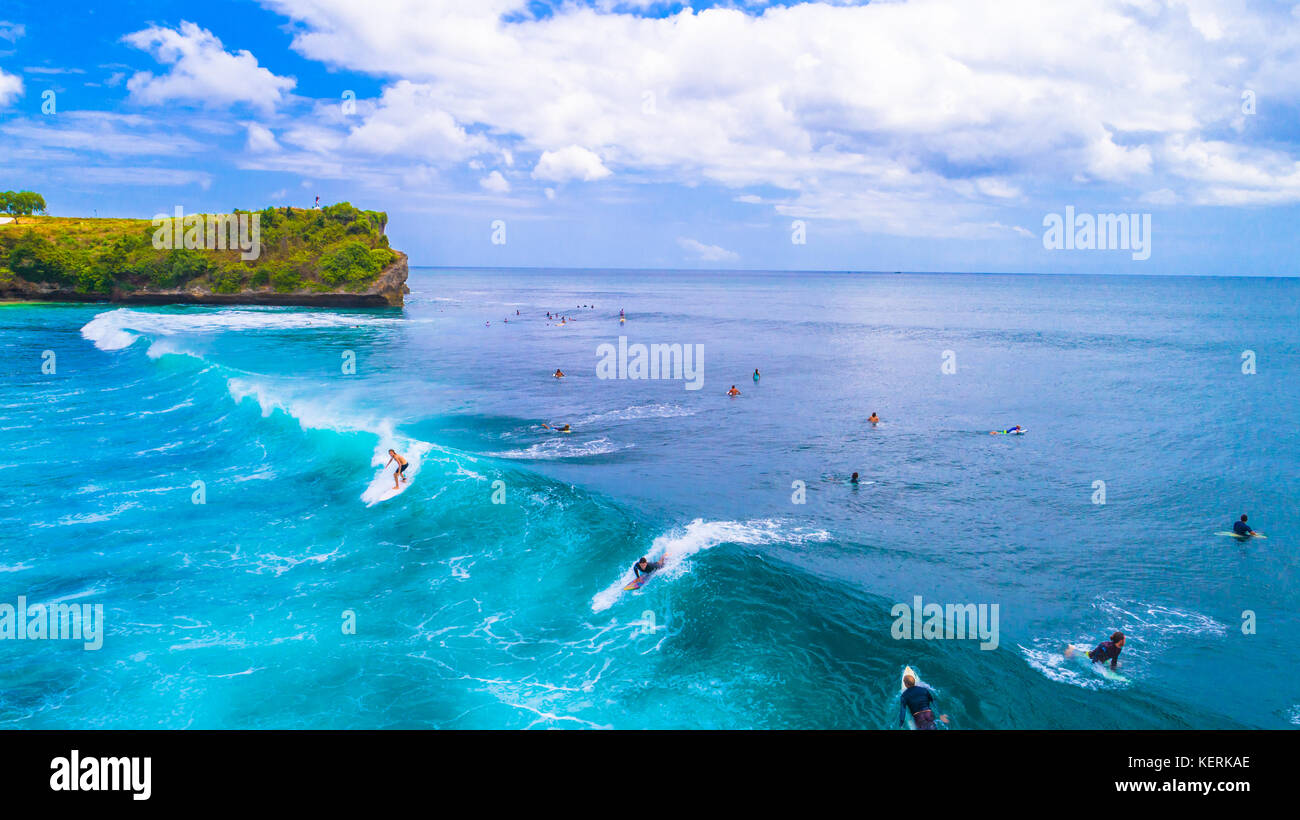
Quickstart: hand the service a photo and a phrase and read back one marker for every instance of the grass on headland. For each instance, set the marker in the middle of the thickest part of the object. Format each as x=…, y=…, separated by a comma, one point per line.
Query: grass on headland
x=331, y=249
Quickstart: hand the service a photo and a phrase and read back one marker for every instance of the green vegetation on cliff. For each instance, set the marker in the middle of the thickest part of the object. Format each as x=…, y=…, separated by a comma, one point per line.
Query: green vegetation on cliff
x=333, y=249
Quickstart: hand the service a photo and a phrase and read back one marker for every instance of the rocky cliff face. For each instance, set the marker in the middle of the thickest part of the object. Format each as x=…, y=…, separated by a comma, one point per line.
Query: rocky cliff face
x=388, y=290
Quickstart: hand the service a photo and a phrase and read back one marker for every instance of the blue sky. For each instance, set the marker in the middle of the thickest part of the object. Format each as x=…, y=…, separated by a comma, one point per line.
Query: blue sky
x=903, y=136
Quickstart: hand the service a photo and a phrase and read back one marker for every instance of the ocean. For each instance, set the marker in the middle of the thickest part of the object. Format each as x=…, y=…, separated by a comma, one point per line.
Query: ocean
x=213, y=477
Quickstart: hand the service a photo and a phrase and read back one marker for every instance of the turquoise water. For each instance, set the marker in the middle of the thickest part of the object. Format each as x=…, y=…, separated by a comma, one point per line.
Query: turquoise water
x=768, y=613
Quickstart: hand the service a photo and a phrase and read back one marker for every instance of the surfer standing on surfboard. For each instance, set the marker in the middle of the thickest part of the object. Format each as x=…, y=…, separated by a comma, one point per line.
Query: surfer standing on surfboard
x=916, y=700
x=400, y=473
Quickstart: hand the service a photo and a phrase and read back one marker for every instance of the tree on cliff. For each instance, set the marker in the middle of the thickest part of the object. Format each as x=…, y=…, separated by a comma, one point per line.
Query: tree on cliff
x=21, y=203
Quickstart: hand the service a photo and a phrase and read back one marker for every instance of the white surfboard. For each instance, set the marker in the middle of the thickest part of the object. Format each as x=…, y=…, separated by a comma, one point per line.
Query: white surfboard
x=1242, y=537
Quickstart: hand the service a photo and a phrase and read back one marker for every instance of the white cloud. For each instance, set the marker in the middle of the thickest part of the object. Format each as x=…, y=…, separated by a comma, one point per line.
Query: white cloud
x=260, y=139
x=573, y=162
x=707, y=253
x=921, y=118
x=407, y=121
x=202, y=71
x=141, y=176
x=117, y=135
x=11, y=88
x=495, y=183
x=11, y=31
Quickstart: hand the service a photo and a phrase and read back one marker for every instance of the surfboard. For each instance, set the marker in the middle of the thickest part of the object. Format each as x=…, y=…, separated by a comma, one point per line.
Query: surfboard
x=1242, y=537
x=1019, y=432
x=902, y=687
x=380, y=490
x=639, y=582
x=1103, y=669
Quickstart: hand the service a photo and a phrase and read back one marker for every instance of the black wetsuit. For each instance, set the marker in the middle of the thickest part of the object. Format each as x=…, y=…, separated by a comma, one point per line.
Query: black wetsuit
x=1106, y=651
x=650, y=567
x=1241, y=528
x=916, y=701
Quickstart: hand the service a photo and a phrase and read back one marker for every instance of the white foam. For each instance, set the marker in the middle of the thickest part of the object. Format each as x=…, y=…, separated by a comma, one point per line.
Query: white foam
x=1049, y=658
x=640, y=411
x=315, y=415
x=117, y=329
x=565, y=447
x=677, y=546
x=1151, y=623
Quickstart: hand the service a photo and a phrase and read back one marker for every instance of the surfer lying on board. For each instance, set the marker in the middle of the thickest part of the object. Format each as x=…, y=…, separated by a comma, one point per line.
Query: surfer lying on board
x=644, y=567
x=916, y=700
x=563, y=428
x=1240, y=527
x=400, y=472
x=1010, y=431
x=1105, y=651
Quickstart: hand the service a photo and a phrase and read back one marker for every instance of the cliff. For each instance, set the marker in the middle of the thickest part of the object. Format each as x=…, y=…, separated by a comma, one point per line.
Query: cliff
x=337, y=256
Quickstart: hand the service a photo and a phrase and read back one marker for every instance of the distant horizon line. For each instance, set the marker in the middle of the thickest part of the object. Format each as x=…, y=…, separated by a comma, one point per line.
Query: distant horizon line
x=842, y=271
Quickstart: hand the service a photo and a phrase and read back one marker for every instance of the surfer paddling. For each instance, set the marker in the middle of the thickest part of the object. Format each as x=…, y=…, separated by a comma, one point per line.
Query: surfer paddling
x=917, y=700
x=645, y=567
x=400, y=473
x=1105, y=651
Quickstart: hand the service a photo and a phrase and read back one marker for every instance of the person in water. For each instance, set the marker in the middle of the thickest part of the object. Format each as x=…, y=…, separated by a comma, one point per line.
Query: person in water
x=1010, y=430
x=917, y=701
x=645, y=567
x=756, y=374
x=400, y=473
x=873, y=418
x=559, y=374
x=853, y=479
x=1108, y=651
x=1240, y=527
x=733, y=391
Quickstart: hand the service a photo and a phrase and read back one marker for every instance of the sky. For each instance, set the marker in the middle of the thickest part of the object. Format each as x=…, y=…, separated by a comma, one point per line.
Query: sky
x=909, y=136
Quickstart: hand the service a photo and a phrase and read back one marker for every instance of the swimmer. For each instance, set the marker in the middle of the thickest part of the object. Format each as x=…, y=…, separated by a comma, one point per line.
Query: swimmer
x=733, y=392
x=559, y=374
x=873, y=418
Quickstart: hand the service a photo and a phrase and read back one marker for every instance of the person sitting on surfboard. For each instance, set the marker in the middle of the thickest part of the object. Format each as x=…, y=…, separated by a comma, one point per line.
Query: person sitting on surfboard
x=733, y=391
x=1242, y=528
x=873, y=418
x=400, y=473
x=853, y=479
x=916, y=700
x=1108, y=651
x=644, y=567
